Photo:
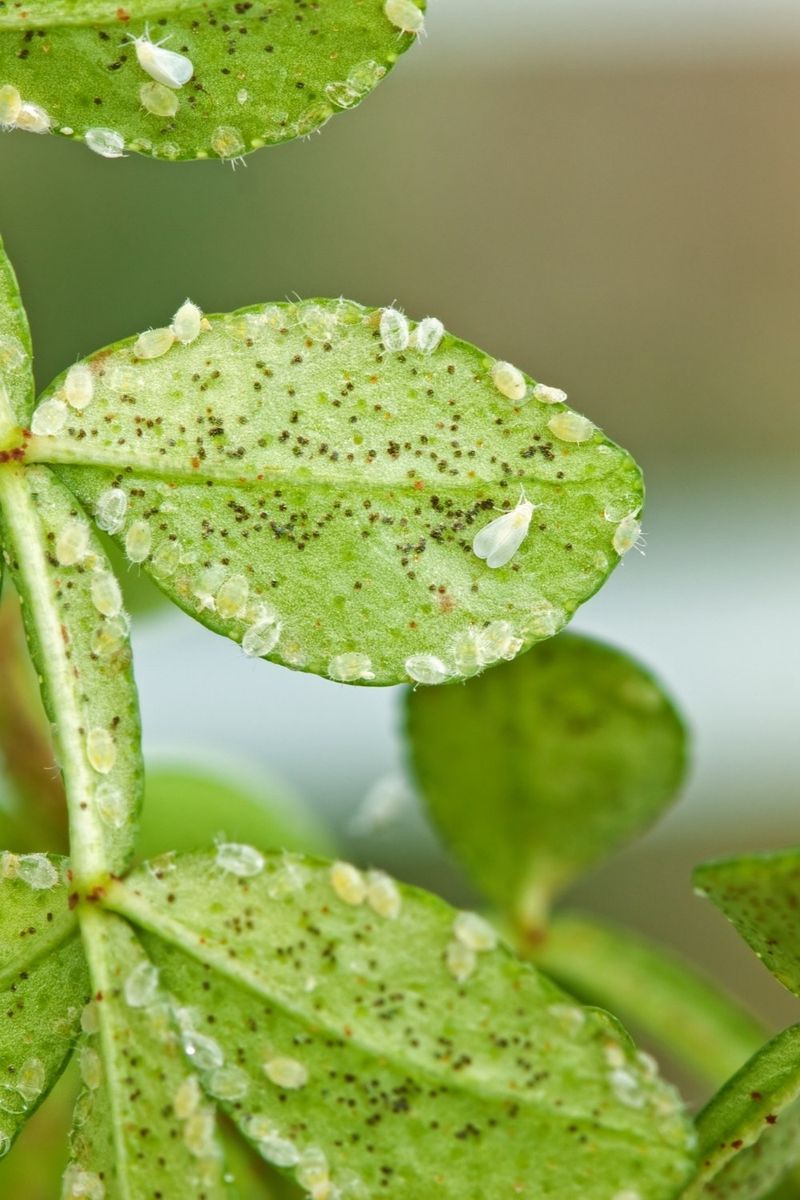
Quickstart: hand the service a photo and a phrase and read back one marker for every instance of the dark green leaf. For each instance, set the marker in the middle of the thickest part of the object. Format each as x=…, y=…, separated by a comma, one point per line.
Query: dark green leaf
x=261, y=72
x=43, y=985
x=539, y=769
x=300, y=488
x=364, y=1055
x=750, y=1132
x=760, y=896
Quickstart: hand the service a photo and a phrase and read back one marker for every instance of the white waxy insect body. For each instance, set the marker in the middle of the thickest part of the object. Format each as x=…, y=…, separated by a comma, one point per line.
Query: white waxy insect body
x=261, y=638
x=232, y=597
x=428, y=334
x=383, y=895
x=351, y=666
x=460, y=960
x=141, y=985
x=348, y=883
x=110, y=510
x=72, y=543
x=509, y=381
x=101, y=750
x=153, y=343
x=571, y=427
x=106, y=594
x=286, y=1073
x=187, y=323
x=138, y=542
x=10, y=106
x=405, y=16
x=549, y=395
x=499, y=541
x=79, y=386
x=426, y=668
x=108, y=143
x=628, y=535
x=394, y=330
x=111, y=805
x=237, y=858
x=49, y=419
x=32, y=118
x=165, y=66
x=158, y=100
x=474, y=932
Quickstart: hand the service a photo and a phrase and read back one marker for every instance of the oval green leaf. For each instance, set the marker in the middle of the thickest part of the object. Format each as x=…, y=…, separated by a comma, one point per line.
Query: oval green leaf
x=367, y=1030
x=299, y=487
x=537, y=770
x=760, y=896
x=241, y=75
x=749, y=1133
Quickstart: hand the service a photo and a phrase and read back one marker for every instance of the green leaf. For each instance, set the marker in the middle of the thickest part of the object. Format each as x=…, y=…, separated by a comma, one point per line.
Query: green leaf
x=240, y=806
x=78, y=637
x=261, y=72
x=43, y=985
x=760, y=896
x=141, y=1126
x=535, y=771
x=367, y=1031
x=651, y=988
x=750, y=1132
x=16, y=370
x=303, y=490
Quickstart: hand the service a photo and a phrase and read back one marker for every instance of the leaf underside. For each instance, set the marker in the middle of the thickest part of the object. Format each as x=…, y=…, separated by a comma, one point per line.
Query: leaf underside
x=43, y=985
x=749, y=1133
x=538, y=769
x=16, y=373
x=289, y=470
x=760, y=896
x=264, y=72
x=491, y=1087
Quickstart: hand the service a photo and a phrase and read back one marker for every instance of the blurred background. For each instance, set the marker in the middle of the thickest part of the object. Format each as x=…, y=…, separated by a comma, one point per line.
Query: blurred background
x=605, y=192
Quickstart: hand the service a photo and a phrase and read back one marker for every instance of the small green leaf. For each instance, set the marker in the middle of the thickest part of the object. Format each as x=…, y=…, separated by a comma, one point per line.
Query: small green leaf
x=43, y=985
x=368, y=1031
x=16, y=371
x=78, y=635
x=652, y=989
x=260, y=73
x=749, y=1134
x=141, y=1126
x=306, y=491
x=237, y=805
x=537, y=770
x=760, y=896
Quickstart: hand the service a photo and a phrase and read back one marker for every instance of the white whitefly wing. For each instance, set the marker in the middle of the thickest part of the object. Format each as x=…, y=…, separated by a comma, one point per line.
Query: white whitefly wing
x=499, y=541
x=165, y=66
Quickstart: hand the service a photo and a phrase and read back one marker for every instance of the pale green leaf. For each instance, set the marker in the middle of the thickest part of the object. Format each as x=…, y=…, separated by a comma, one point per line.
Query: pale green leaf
x=301, y=489
x=653, y=989
x=237, y=805
x=16, y=373
x=83, y=660
x=340, y=1030
x=263, y=72
x=43, y=985
x=537, y=770
x=141, y=1126
x=749, y=1134
x=760, y=896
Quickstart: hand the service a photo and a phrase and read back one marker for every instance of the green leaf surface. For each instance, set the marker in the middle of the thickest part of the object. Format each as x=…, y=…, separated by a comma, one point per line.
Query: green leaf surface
x=749, y=1134
x=141, y=1128
x=261, y=72
x=651, y=988
x=371, y=1034
x=235, y=805
x=303, y=490
x=43, y=985
x=760, y=896
x=78, y=635
x=535, y=771
x=16, y=372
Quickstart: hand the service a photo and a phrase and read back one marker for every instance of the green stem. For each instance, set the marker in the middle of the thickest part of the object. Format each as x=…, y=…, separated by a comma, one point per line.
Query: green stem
x=26, y=547
x=651, y=988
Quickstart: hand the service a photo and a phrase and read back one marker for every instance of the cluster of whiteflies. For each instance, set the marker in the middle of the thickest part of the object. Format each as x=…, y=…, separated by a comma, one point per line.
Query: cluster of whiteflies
x=16, y=113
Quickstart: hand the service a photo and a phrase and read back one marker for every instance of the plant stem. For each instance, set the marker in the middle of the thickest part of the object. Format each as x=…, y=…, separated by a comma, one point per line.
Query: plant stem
x=26, y=548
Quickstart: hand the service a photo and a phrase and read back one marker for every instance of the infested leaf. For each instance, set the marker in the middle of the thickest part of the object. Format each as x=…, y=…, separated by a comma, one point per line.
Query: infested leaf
x=16, y=371
x=228, y=79
x=43, y=985
x=78, y=636
x=537, y=770
x=141, y=1126
x=760, y=896
x=749, y=1133
x=653, y=989
x=354, y=1040
x=299, y=486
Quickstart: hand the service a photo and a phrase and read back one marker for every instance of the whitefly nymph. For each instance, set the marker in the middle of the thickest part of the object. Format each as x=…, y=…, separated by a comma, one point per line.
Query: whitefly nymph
x=500, y=540
x=165, y=66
